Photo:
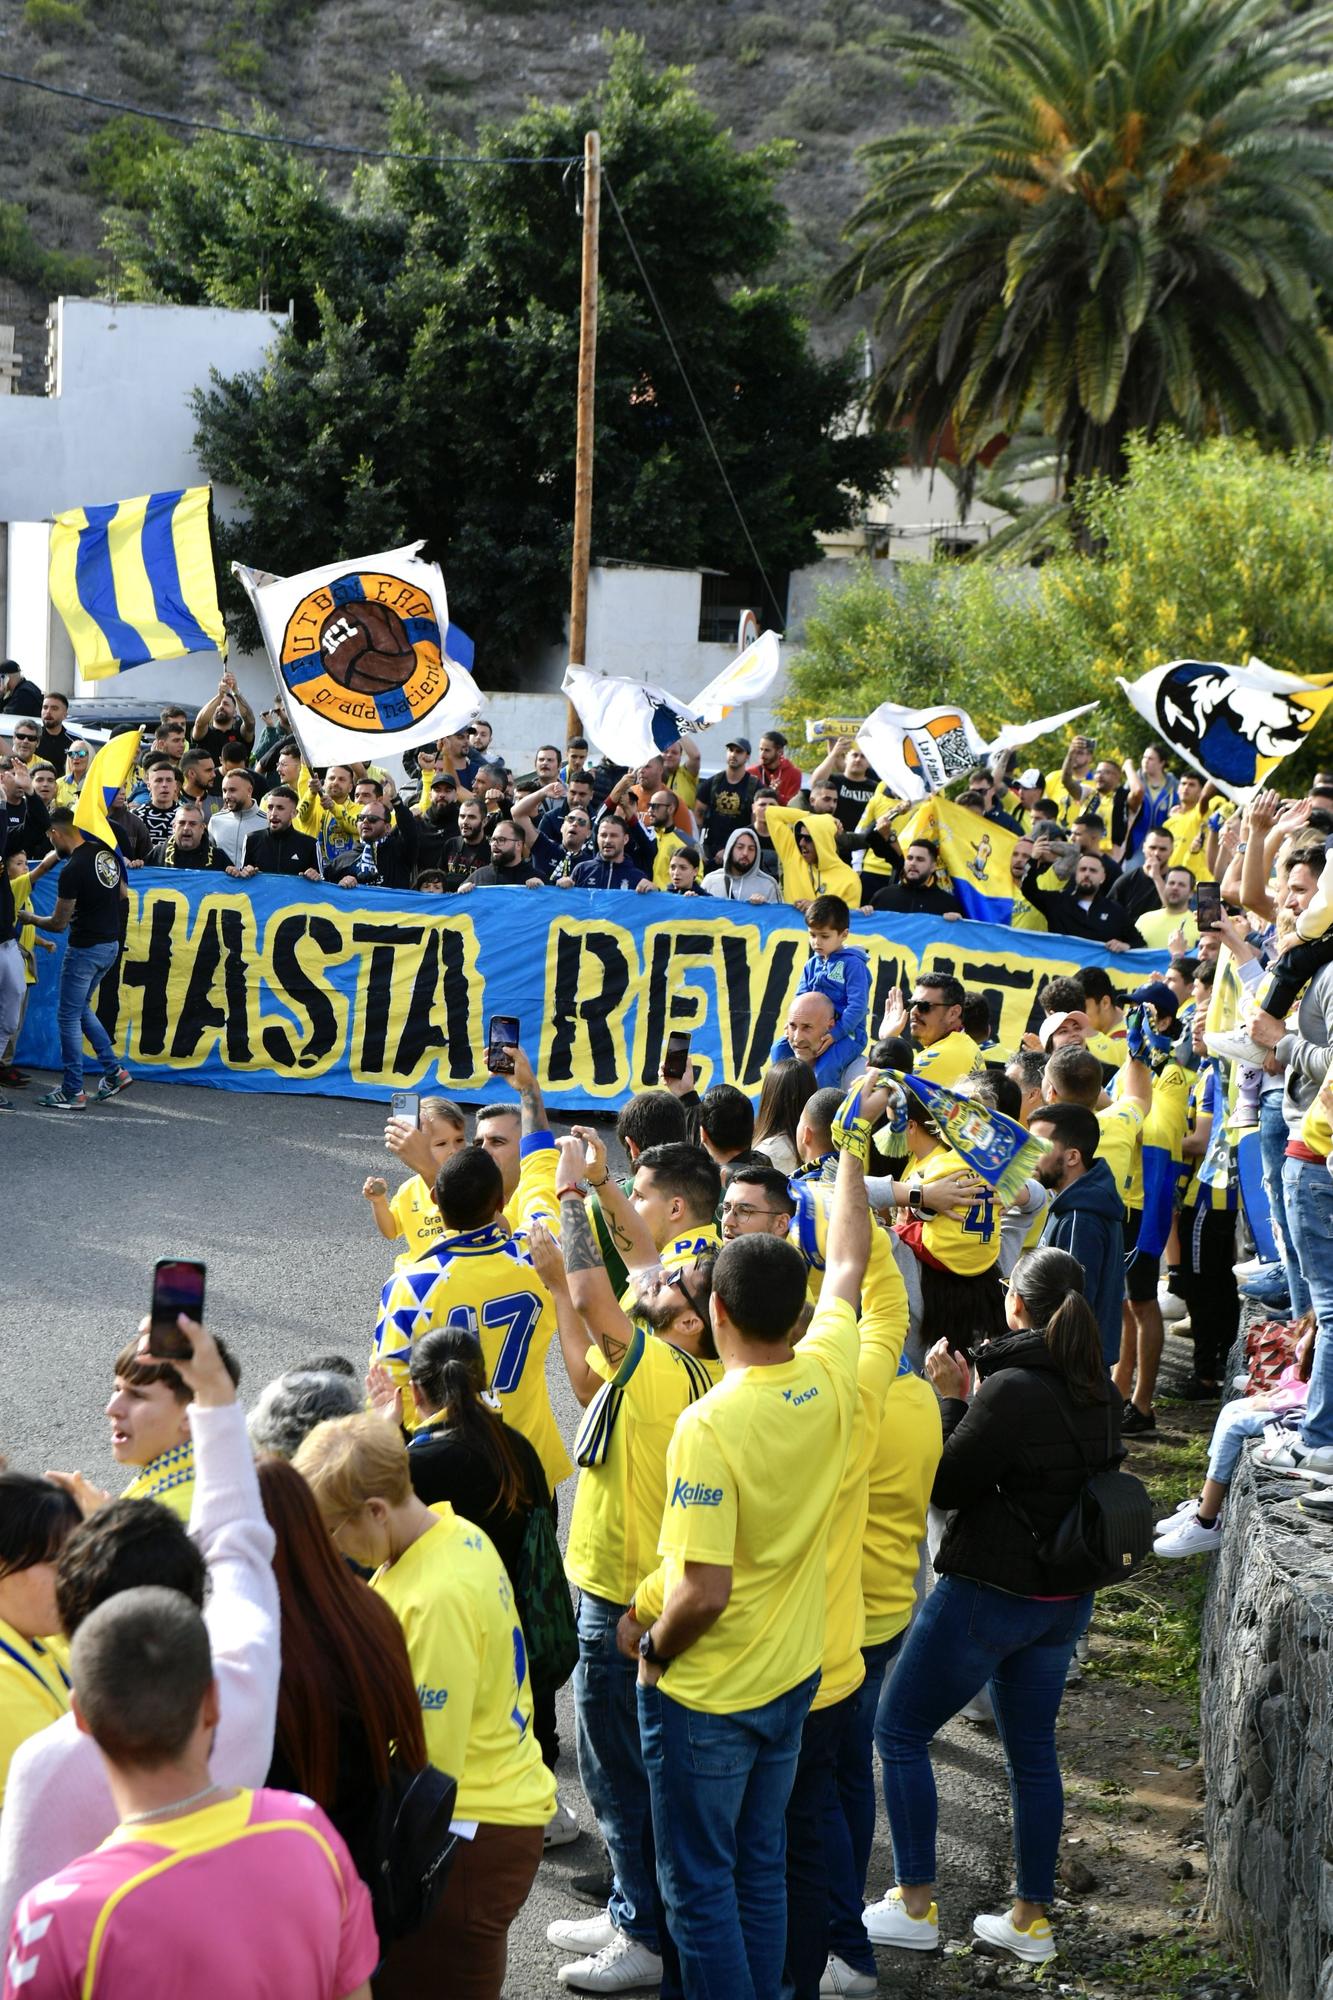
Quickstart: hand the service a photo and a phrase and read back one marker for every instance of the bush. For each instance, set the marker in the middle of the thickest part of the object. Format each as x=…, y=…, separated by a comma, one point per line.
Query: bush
x=55, y=20
x=122, y=157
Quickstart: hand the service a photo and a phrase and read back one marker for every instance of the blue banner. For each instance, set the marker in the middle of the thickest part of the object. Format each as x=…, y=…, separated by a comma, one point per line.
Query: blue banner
x=272, y=984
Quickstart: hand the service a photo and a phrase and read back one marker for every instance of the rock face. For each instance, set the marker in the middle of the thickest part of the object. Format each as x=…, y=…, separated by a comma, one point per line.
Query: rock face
x=1266, y=1700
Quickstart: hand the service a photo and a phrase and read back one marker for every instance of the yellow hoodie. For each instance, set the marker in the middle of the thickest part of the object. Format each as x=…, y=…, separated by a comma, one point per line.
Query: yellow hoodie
x=829, y=875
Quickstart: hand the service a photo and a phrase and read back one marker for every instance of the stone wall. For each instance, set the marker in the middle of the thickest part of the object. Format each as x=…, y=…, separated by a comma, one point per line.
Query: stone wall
x=1266, y=1702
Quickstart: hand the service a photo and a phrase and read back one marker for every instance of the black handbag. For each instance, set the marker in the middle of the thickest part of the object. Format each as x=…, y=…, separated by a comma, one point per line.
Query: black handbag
x=1107, y=1533
x=409, y=1848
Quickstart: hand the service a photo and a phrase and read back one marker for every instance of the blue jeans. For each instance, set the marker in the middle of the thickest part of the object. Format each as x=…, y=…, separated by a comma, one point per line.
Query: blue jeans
x=849, y=1827
x=1307, y=1187
x=606, y=1725
x=965, y=1635
x=1273, y=1137
x=720, y=1786
x=1236, y=1421
x=81, y=974
x=814, y=1796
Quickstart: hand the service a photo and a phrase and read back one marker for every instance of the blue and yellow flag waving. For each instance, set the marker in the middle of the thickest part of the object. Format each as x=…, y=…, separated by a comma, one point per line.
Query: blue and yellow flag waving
x=107, y=774
x=975, y=855
x=136, y=581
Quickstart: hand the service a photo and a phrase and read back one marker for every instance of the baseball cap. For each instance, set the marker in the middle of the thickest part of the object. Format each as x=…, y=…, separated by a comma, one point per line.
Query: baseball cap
x=739, y=743
x=1029, y=781
x=1046, y=1032
x=1157, y=995
x=444, y=780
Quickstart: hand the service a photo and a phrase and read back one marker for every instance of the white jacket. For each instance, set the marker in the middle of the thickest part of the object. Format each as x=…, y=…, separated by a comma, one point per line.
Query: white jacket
x=58, y=1803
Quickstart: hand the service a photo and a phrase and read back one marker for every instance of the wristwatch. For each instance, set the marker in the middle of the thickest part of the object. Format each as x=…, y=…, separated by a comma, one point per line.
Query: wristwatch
x=914, y=1189
x=648, y=1651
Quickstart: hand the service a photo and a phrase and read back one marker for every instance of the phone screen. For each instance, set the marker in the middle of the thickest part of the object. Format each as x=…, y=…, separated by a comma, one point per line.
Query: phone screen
x=1208, y=905
x=677, y=1054
x=501, y=1034
x=406, y=1106
x=178, y=1287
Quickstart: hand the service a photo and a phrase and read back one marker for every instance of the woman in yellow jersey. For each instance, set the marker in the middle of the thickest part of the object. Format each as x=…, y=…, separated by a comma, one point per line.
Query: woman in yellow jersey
x=411, y=1213
x=36, y=1519
x=445, y=1581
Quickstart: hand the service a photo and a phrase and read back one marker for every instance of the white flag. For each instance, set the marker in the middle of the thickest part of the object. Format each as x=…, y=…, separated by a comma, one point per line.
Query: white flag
x=916, y=751
x=359, y=652
x=1234, y=724
x=628, y=722
x=750, y=674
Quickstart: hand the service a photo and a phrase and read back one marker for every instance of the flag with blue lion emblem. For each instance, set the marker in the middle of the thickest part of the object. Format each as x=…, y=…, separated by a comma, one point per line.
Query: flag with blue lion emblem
x=1234, y=724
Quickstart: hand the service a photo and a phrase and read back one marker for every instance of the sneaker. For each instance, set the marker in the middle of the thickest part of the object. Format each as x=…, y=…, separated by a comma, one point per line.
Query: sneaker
x=56, y=1100
x=1133, y=1423
x=1170, y=1304
x=582, y=1933
x=1195, y=1390
x=1035, y=1945
x=1237, y=1048
x=1250, y=1267
x=1318, y=1503
x=1170, y=1521
x=561, y=1828
x=1189, y=1537
x=623, y=1966
x=1283, y=1452
x=111, y=1086
x=839, y=1977
x=14, y=1079
x=888, y=1922
x=6, y=1104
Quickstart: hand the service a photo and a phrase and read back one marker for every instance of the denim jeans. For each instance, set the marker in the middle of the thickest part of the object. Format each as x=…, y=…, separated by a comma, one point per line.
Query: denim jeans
x=84, y=968
x=720, y=1786
x=965, y=1635
x=849, y=1827
x=606, y=1723
x=1273, y=1137
x=814, y=1796
x=1236, y=1421
x=1307, y=1188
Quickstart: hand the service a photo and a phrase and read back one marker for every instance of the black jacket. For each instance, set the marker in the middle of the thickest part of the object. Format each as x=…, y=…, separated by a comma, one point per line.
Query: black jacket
x=445, y=1464
x=1010, y=1441
x=285, y=853
x=24, y=698
x=1104, y=918
x=916, y=899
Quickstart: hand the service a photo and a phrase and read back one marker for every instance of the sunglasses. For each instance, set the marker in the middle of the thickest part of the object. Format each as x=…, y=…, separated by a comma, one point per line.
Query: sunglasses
x=925, y=1006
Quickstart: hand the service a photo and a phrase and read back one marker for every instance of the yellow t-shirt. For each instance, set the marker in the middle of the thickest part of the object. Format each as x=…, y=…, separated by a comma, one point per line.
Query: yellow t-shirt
x=1316, y=1130
x=1025, y=918
x=419, y=1220
x=482, y=1279
x=907, y=1452
x=1112, y=1049
x=753, y=1474
x=967, y=1243
x=1120, y=1144
x=1184, y=826
x=621, y=1450
x=34, y=1690
x=168, y=1478
x=667, y=843
x=684, y=783
x=533, y=1200
x=1156, y=927
x=954, y=1055
x=456, y=1606
x=21, y=890
x=1165, y=1124
x=1068, y=802
x=883, y=1331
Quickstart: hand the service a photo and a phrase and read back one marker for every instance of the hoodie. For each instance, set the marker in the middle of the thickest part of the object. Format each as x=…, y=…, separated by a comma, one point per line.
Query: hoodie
x=740, y=888
x=829, y=874
x=1087, y=1219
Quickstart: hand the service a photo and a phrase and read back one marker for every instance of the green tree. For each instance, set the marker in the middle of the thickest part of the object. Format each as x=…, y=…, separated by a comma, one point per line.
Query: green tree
x=428, y=386
x=1129, y=226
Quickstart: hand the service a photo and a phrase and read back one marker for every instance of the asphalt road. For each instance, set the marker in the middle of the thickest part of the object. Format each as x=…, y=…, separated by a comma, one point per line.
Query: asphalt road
x=266, y=1188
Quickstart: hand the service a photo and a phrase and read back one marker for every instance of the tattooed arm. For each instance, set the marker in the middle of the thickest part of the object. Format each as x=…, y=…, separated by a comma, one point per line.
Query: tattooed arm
x=570, y=1328
x=589, y=1287
x=629, y=1232
x=532, y=1109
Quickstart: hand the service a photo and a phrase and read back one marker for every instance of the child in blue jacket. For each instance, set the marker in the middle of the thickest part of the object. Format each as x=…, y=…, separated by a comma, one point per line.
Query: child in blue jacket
x=841, y=972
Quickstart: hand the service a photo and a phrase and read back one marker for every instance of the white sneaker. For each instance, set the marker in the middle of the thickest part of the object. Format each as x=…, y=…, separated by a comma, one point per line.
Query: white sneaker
x=623, y=1966
x=1171, y=1305
x=1282, y=1451
x=1237, y=1048
x=582, y=1933
x=1189, y=1537
x=562, y=1827
x=1035, y=1945
x=840, y=1978
x=1249, y=1266
x=888, y=1922
x=1172, y=1520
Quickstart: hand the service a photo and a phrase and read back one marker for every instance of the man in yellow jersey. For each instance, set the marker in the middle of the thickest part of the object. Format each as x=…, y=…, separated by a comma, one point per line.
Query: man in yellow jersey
x=633, y=1375
x=480, y=1275
x=1187, y=824
x=1074, y=1076
x=729, y=1665
x=38, y=1518
x=1106, y=1016
x=1025, y=917
x=957, y=1248
x=934, y=1018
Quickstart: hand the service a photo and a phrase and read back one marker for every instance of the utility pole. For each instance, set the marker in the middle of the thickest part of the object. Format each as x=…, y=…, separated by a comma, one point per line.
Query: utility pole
x=583, y=446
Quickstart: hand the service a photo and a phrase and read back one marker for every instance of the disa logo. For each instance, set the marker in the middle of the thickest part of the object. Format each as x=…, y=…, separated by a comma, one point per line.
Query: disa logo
x=365, y=652
x=686, y=1494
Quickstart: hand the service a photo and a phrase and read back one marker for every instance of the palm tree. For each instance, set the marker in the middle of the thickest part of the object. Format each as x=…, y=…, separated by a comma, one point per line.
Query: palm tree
x=1129, y=226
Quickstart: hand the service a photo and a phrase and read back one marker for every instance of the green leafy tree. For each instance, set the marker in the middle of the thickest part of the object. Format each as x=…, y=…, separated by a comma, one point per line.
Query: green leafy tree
x=1129, y=226
x=428, y=386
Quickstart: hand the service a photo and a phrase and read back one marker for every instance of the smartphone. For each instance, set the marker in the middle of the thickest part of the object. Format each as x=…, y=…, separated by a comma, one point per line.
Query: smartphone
x=406, y=1105
x=1091, y=742
x=677, y=1054
x=501, y=1034
x=178, y=1287
x=1208, y=905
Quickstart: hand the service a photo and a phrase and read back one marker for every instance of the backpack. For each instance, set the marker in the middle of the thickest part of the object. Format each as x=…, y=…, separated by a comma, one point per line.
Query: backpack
x=408, y=1848
x=543, y=1604
x=1270, y=1346
x=1107, y=1533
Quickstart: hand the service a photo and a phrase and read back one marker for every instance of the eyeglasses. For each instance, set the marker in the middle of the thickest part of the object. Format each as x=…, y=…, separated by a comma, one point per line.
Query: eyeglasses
x=925, y=1006
x=746, y=1209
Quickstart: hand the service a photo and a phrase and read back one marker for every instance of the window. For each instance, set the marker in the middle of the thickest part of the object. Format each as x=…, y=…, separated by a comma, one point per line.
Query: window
x=725, y=597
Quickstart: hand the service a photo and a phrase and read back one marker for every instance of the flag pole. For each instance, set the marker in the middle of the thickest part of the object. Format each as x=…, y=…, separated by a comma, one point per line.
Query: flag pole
x=583, y=446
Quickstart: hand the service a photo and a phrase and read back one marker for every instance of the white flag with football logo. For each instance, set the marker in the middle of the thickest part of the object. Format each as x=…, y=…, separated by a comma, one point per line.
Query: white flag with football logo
x=359, y=650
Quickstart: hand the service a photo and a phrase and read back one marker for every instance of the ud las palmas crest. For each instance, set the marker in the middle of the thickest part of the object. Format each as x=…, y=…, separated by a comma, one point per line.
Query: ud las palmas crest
x=366, y=652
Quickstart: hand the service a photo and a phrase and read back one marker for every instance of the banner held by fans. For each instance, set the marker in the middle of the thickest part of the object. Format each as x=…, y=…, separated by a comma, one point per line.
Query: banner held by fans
x=280, y=983
x=136, y=581
x=1233, y=724
x=358, y=650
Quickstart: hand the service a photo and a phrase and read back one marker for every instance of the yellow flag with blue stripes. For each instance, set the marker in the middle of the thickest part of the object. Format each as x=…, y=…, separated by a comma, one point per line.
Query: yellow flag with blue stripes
x=108, y=774
x=975, y=855
x=136, y=581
